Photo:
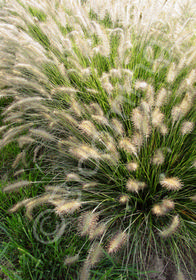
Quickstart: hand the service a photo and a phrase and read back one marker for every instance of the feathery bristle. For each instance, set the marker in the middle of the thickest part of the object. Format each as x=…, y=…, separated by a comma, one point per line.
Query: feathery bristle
x=117, y=126
x=162, y=98
x=88, y=127
x=171, y=184
x=85, y=271
x=73, y=177
x=132, y=166
x=17, y=160
x=117, y=242
x=69, y=207
x=163, y=129
x=89, y=185
x=172, y=73
x=172, y=227
x=19, y=204
x=23, y=140
x=186, y=127
x=158, y=157
x=71, y=259
x=42, y=133
x=134, y=185
x=163, y=208
x=87, y=222
x=127, y=145
x=140, y=85
x=38, y=201
x=180, y=275
x=157, y=117
x=95, y=254
x=16, y=186
x=123, y=199
x=85, y=152
x=97, y=231
x=18, y=172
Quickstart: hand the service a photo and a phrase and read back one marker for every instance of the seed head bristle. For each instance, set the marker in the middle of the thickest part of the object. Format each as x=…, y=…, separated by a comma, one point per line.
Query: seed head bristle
x=16, y=186
x=85, y=152
x=24, y=140
x=137, y=140
x=97, y=231
x=193, y=198
x=117, y=126
x=163, y=208
x=69, y=207
x=42, y=134
x=126, y=144
x=150, y=93
x=117, y=242
x=100, y=119
x=163, y=129
x=180, y=275
x=89, y=185
x=71, y=259
x=19, y=172
x=19, y=204
x=123, y=199
x=134, y=185
x=162, y=98
x=73, y=177
x=85, y=271
x=132, y=166
x=187, y=127
x=87, y=222
x=38, y=201
x=172, y=227
x=140, y=85
x=158, y=157
x=17, y=160
x=88, y=128
x=157, y=117
x=96, y=109
x=95, y=254
x=171, y=184
x=172, y=73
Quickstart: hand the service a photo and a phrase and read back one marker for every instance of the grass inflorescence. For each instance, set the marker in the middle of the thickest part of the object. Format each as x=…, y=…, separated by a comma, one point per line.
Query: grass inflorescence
x=104, y=108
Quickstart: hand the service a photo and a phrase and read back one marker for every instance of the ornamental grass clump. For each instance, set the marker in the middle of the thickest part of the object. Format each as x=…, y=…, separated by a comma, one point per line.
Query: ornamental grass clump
x=104, y=97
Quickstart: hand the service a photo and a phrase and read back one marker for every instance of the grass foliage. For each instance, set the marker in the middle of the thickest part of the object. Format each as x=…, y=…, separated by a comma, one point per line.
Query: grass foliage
x=100, y=118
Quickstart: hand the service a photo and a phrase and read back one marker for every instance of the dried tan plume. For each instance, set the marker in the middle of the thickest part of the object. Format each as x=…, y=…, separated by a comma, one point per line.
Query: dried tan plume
x=172, y=227
x=126, y=144
x=132, y=166
x=68, y=207
x=94, y=255
x=171, y=183
x=88, y=127
x=124, y=198
x=16, y=186
x=163, y=208
x=187, y=127
x=69, y=260
x=87, y=222
x=158, y=157
x=117, y=242
x=134, y=185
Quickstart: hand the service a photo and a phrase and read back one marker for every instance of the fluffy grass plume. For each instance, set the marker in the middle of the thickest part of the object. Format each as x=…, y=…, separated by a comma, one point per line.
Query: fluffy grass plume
x=104, y=101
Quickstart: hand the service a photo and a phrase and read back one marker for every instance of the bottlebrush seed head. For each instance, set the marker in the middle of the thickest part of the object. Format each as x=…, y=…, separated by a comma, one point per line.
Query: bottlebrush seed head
x=117, y=242
x=171, y=184
x=90, y=86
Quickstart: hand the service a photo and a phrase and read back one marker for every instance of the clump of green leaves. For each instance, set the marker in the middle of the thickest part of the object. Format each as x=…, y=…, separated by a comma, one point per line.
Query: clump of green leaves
x=111, y=117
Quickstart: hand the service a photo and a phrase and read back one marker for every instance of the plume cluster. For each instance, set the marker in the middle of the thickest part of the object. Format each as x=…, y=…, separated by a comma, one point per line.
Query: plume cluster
x=104, y=101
